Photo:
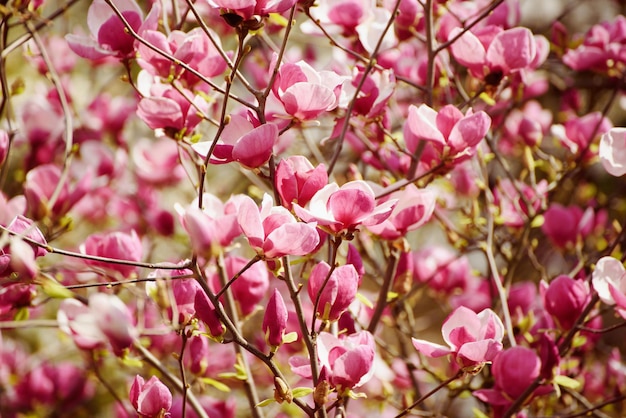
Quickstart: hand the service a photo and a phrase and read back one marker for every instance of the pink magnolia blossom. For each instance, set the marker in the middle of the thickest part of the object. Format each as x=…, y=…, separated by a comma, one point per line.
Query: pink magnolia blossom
x=15, y=296
x=339, y=292
x=613, y=151
x=151, y=399
x=165, y=107
x=413, y=209
x=526, y=126
x=514, y=209
x=207, y=313
x=23, y=226
x=249, y=8
x=4, y=146
x=514, y=370
x=251, y=286
x=577, y=133
x=566, y=225
x=450, y=135
x=275, y=320
x=241, y=141
x=565, y=299
x=105, y=319
x=441, y=269
x=297, y=180
x=157, y=162
x=273, y=231
x=306, y=93
x=40, y=186
x=193, y=48
x=344, y=209
x=375, y=92
x=349, y=361
x=603, y=49
x=609, y=281
x=492, y=52
x=115, y=245
x=473, y=339
x=108, y=33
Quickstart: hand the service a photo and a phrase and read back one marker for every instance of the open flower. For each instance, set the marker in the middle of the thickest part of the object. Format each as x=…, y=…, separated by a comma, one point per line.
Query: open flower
x=348, y=361
x=344, y=209
x=613, y=151
x=609, y=280
x=151, y=399
x=450, y=135
x=108, y=33
x=473, y=339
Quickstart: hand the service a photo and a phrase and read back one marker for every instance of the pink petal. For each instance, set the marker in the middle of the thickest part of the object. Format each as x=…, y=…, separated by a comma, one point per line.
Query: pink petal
x=512, y=49
x=469, y=131
x=307, y=101
x=293, y=239
x=160, y=112
x=467, y=50
x=250, y=222
x=430, y=349
x=421, y=125
x=255, y=148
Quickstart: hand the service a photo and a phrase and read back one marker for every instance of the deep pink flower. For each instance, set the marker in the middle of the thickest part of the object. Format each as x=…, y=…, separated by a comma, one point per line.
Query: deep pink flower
x=297, y=180
x=275, y=320
x=207, y=313
x=344, y=209
x=339, y=292
x=473, y=339
x=306, y=93
x=565, y=299
x=577, y=133
x=116, y=245
x=15, y=296
x=450, y=135
x=241, y=141
x=565, y=225
x=23, y=226
x=349, y=361
x=108, y=33
x=273, y=231
x=609, y=280
x=151, y=399
x=514, y=370
x=613, y=151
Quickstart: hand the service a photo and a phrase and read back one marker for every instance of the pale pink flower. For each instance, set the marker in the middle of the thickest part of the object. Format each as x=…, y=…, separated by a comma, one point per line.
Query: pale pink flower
x=306, y=93
x=249, y=8
x=193, y=48
x=613, y=151
x=494, y=52
x=241, y=141
x=108, y=33
x=339, y=292
x=609, y=280
x=413, y=209
x=473, y=339
x=513, y=208
x=151, y=399
x=349, y=361
x=442, y=269
x=115, y=245
x=297, y=180
x=157, y=162
x=450, y=135
x=577, y=133
x=273, y=231
x=344, y=209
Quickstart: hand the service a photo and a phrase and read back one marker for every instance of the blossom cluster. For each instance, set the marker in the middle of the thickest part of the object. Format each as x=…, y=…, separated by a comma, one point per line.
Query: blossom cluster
x=250, y=208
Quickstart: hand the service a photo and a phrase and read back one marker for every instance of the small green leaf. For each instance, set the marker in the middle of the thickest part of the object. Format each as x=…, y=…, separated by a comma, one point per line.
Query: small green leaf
x=216, y=384
x=290, y=337
x=22, y=314
x=300, y=392
x=365, y=301
x=478, y=413
x=355, y=395
x=265, y=402
x=537, y=222
x=52, y=288
x=132, y=362
x=567, y=382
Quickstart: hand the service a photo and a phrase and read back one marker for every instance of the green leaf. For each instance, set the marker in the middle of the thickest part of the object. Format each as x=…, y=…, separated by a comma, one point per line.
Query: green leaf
x=567, y=382
x=216, y=384
x=365, y=301
x=290, y=337
x=537, y=222
x=265, y=402
x=300, y=392
x=22, y=314
x=52, y=288
x=478, y=413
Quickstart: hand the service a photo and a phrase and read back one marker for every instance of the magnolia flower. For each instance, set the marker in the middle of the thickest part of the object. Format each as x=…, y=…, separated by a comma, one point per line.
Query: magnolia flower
x=344, y=209
x=248, y=9
x=275, y=320
x=109, y=36
x=347, y=361
x=115, y=245
x=151, y=399
x=473, y=339
x=339, y=292
x=449, y=134
x=609, y=280
x=613, y=151
x=273, y=231
x=297, y=180
x=565, y=299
